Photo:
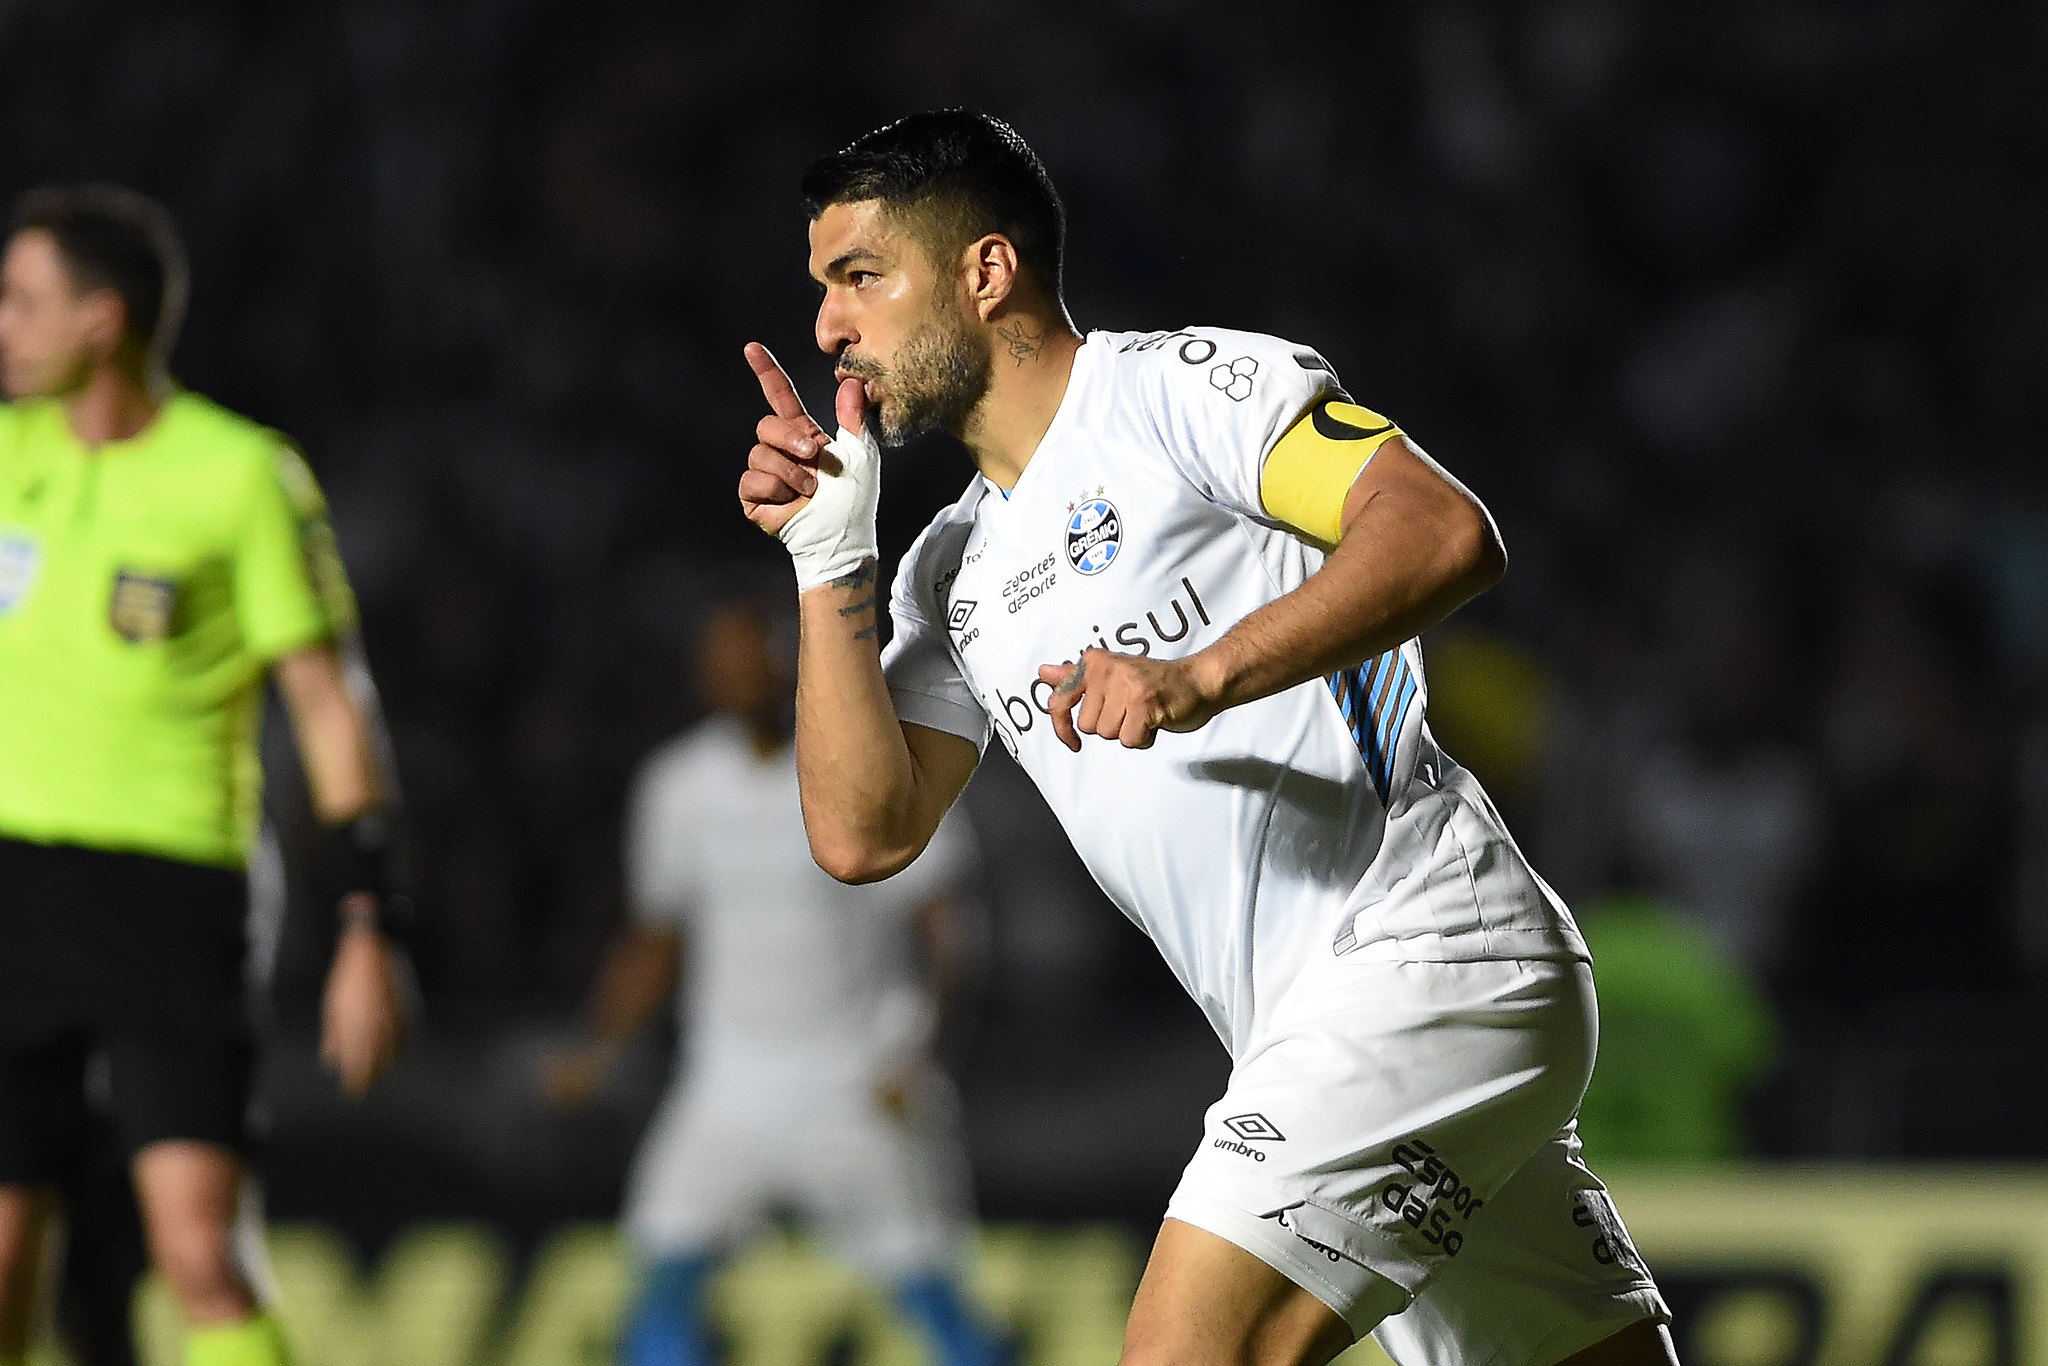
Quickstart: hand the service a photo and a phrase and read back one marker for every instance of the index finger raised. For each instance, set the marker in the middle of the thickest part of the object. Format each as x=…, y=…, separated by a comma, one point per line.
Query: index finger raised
x=775, y=385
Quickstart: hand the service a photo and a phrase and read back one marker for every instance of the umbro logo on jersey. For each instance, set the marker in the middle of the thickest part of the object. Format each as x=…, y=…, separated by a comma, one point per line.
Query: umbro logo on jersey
x=1255, y=1126
x=962, y=610
x=1250, y=1127
x=1094, y=534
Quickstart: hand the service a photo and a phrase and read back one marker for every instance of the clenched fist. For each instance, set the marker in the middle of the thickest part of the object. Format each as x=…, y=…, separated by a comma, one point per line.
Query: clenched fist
x=1127, y=698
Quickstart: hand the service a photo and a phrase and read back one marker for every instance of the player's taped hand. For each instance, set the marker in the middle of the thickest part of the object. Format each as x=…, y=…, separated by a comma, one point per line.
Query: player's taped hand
x=834, y=533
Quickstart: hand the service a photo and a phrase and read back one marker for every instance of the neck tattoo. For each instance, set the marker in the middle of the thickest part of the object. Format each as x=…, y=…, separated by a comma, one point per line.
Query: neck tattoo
x=1023, y=343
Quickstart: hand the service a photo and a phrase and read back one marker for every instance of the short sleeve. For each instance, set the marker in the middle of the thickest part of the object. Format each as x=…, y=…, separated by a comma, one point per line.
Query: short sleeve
x=1221, y=400
x=290, y=590
x=925, y=683
x=661, y=862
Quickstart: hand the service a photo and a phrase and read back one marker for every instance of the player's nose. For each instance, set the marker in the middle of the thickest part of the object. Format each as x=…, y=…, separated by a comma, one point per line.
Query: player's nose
x=835, y=332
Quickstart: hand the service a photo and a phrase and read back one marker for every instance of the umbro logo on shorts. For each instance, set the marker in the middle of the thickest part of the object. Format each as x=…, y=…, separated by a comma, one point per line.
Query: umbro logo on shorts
x=1255, y=1127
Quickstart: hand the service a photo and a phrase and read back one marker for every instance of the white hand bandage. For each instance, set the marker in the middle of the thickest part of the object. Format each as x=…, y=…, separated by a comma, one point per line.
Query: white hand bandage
x=835, y=531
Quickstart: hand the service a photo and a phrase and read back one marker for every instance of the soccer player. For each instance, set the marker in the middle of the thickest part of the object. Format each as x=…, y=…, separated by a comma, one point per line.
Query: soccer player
x=1184, y=589
x=807, y=1079
x=160, y=557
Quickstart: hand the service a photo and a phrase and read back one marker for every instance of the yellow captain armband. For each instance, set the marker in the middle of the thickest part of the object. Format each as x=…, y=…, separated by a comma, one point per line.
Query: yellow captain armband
x=1311, y=468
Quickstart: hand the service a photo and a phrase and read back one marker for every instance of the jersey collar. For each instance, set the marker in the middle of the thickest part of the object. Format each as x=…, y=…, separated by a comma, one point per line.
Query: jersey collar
x=1063, y=417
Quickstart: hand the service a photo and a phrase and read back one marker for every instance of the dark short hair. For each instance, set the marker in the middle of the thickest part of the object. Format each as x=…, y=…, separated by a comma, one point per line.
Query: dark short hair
x=114, y=238
x=962, y=174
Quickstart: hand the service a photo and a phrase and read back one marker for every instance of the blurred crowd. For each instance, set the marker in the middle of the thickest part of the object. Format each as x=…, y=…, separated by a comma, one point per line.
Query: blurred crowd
x=1734, y=314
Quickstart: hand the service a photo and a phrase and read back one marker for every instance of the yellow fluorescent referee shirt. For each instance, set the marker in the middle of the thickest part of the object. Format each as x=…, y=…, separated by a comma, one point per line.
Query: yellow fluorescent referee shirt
x=144, y=589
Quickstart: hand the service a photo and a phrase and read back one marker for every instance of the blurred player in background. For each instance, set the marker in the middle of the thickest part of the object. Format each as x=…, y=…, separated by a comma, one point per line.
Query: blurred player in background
x=160, y=557
x=1185, y=589
x=807, y=1080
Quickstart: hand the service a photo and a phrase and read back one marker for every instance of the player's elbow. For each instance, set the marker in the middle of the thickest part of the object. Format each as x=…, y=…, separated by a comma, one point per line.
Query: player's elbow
x=856, y=862
x=1474, y=556
x=1486, y=556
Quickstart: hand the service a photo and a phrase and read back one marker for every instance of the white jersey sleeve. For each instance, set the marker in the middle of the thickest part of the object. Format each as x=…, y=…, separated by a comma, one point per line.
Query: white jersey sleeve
x=1220, y=400
x=925, y=683
x=662, y=883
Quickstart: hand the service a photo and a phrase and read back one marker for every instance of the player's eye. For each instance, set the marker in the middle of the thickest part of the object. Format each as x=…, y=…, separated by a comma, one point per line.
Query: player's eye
x=861, y=277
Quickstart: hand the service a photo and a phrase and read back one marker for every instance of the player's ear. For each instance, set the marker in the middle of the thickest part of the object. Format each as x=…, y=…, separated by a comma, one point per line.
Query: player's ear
x=106, y=321
x=991, y=265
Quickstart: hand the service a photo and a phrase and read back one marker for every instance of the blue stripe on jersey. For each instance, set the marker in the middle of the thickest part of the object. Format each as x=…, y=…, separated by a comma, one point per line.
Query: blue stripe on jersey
x=1373, y=699
x=1347, y=697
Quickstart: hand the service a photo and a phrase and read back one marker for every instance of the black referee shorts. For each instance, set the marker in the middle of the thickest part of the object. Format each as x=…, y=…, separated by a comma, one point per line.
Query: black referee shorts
x=133, y=957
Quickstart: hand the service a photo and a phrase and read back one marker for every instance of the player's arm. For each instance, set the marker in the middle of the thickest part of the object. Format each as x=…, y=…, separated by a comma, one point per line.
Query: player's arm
x=1413, y=545
x=333, y=712
x=938, y=927
x=1410, y=545
x=636, y=980
x=874, y=788
x=946, y=929
x=334, y=734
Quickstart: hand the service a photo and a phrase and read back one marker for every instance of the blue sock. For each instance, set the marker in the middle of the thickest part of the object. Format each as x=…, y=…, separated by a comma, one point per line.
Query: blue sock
x=953, y=1329
x=667, y=1326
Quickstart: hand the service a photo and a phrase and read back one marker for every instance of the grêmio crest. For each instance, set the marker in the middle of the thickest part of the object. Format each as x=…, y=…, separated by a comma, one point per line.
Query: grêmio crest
x=1095, y=532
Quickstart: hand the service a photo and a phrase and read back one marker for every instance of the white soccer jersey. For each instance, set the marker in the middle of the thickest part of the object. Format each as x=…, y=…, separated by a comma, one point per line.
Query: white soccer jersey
x=791, y=976
x=1322, y=816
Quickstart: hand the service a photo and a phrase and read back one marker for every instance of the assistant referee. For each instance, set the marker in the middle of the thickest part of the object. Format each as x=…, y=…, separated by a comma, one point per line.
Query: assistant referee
x=159, y=557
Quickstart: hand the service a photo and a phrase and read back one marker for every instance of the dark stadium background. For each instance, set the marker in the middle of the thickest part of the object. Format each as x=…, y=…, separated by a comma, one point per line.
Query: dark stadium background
x=1735, y=314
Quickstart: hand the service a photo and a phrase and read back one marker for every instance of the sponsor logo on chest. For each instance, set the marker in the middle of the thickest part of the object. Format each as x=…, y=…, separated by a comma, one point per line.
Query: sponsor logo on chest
x=1163, y=624
x=1029, y=584
x=1093, y=537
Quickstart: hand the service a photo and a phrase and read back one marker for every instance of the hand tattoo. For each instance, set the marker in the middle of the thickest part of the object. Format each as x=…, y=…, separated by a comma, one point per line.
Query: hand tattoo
x=1074, y=681
x=1023, y=343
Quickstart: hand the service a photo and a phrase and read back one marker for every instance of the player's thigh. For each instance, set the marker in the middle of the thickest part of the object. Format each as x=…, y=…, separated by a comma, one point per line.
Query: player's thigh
x=1204, y=1301
x=700, y=1177
x=42, y=1107
x=891, y=1193
x=49, y=958
x=171, y=1005
x=184, y=1078
x=1548, y=1273
x=1362, y=1139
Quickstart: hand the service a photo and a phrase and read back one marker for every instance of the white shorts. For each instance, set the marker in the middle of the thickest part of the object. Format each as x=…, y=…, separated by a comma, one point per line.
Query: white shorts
x=889, y=1196
x=1400, y=1142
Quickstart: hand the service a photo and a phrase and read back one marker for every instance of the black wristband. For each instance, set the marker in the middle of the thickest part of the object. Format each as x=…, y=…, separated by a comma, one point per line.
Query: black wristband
x=362, y=856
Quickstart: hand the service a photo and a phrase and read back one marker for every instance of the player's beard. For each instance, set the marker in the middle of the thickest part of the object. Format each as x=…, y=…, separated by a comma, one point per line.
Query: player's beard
x=940, y=373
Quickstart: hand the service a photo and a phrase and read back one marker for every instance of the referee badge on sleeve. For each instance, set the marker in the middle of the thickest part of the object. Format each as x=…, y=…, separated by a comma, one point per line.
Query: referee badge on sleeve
x=142, y=606
x=19, y=556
